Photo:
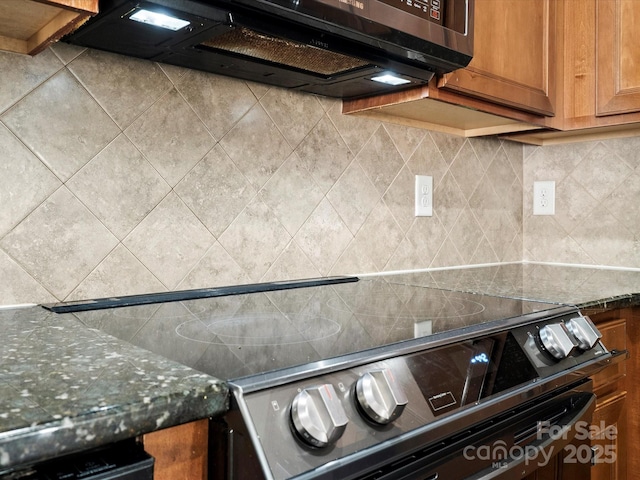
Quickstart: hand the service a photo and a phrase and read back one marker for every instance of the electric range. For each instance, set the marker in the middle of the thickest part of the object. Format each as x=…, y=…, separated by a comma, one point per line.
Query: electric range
x=368, y=378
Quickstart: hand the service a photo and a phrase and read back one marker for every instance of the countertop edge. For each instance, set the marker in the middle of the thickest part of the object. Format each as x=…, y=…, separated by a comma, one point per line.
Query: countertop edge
x=64, y=436
x=611, y=303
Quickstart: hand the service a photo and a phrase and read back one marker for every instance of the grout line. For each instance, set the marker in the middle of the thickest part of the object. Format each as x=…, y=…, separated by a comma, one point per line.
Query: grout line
x=437, y=269
x=582, y=265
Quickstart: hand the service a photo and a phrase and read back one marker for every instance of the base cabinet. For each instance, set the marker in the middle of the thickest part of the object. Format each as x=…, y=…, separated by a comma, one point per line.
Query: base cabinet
x=180, y=453
x=615, y=425
x=610, y=442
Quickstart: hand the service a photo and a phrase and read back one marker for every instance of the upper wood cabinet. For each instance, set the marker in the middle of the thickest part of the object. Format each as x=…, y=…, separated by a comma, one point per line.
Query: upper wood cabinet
x=30, y=26
x=543, y=71
x=618, y=57
x=598, y=67
x=513, y=62
x=509, y=86
x=600, y=63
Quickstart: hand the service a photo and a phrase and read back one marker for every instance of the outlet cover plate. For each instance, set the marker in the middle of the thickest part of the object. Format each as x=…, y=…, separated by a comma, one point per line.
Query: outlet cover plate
x=424, y=196
x=544, y=198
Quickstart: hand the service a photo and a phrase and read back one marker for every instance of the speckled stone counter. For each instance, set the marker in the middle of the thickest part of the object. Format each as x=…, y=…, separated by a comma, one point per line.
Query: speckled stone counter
x=584, y=287
x=65, y=387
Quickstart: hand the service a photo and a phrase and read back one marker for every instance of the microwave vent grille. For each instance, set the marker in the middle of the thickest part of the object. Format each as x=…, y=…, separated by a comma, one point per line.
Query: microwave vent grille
x=249, y=43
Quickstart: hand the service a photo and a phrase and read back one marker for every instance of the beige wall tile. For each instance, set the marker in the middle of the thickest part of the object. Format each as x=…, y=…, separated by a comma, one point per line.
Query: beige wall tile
x=119, y=186
x=353, y=196
x=467, y=170
x=380, y=235
x=59, y=243
x=24, y=181
x=215, y=269
x=325, y=154
x=291, y=264
x=169, y=241
x=597, y=195
x=62, y=124
x=256, y=146
x=266, y=184
x=323, y=237
x=294, y=113
x=101, y=73
x=21, y=74
x=399, y=195
x=291, y=185
x=405, y=139
x=380, y=160
x=355, y=131
x=17, y=286
x=220, y=102
x=171, y=136
x=255, y=239
x=601, y=171
x=119, y=274
x=216, y=191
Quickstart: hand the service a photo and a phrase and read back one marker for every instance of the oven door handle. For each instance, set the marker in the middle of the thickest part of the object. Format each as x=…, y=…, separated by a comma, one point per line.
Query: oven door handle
x=552, y=441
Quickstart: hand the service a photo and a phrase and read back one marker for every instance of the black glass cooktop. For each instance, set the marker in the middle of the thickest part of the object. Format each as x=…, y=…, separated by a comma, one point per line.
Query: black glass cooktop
x=231, y=335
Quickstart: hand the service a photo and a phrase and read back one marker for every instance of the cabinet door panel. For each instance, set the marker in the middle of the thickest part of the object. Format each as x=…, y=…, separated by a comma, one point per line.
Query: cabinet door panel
x=618, y=60
x=610, y=438
x=514, y=44
x=614, y=336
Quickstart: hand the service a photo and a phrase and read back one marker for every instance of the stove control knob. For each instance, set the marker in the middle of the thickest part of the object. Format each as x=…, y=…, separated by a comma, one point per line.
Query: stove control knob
x=585, y=332
x=381, y=398
x=318, y=416
x=556, y=340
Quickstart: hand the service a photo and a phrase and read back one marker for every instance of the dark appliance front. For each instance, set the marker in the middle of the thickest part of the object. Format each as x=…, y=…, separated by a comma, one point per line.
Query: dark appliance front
x=329, y=47
x=371, y=379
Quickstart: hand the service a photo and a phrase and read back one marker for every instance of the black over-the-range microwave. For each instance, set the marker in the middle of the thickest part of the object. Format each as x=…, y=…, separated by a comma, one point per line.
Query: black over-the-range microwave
x=337, y=48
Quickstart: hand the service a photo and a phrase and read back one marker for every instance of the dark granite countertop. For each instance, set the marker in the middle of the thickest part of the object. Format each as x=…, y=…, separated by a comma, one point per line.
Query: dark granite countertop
x=585, y=287
x=65, y=387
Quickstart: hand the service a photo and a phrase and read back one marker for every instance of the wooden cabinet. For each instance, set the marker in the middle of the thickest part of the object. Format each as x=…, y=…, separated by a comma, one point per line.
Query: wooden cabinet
x=30, y=26
x=600, y=63
x=609, y=442
x=180, y=453
x=509, y=86
x=617, y=410
x=618, y=57
x=598, y=69
x=513, y=62
x=543, y=72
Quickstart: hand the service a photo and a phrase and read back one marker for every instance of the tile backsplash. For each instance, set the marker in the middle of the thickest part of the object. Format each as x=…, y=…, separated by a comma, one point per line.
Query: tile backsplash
x=597, y=218
x=122, y=176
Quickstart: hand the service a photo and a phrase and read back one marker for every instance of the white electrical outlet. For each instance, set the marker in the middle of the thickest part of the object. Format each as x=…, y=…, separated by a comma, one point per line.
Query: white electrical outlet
x=544, y=198
x=424, y=196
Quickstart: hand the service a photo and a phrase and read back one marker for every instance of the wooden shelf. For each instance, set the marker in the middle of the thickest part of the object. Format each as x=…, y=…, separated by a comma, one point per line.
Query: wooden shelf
x=30, y=26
